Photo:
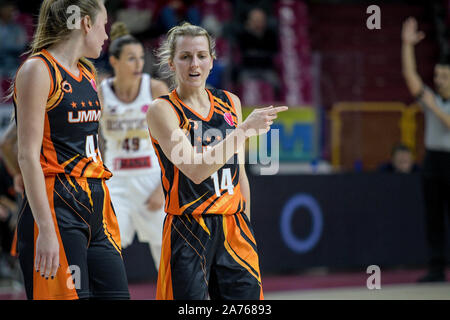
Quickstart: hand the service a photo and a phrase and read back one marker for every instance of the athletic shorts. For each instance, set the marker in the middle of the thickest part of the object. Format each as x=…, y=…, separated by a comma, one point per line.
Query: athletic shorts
x=129, y=196
x=209, y=256
x=91, y=264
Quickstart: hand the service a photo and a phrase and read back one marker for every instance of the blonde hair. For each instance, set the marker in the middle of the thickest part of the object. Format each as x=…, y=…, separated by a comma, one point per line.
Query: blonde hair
x=166, y=52
x=52, y=23
x=52, y=26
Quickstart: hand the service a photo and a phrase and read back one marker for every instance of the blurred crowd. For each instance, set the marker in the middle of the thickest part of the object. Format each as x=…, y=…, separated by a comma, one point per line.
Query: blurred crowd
x=246, y=45
x=245, y=31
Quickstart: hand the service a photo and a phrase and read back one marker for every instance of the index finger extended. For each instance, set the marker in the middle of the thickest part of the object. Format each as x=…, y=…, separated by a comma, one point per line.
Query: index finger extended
x=264, y=108
x=278, y=109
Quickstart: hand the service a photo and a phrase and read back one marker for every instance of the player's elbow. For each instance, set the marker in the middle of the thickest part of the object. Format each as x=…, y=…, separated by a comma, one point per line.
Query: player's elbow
x=195, y=175
x=193, y=172
x=197, y=180
x=26, y=157
x=27, y=162
x=191, y=164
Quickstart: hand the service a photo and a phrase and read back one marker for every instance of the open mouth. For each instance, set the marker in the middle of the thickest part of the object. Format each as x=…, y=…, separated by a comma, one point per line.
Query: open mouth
x=194, y=75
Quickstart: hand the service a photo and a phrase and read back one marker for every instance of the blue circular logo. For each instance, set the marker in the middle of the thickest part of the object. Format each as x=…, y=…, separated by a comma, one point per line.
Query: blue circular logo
x=291, y=240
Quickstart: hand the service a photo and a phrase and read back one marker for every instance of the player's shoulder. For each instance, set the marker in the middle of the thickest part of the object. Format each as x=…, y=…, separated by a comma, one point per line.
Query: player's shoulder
x=162, y=117
x=158, y=87
x=156, y=82
x=225, y=95
x=32, y=66
x=235, y=99
x=34, y=71
x=232, y=99
x=160, y=105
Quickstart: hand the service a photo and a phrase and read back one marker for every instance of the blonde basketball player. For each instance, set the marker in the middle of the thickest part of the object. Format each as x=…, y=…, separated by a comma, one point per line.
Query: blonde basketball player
x=68, y=237
x=209, y=249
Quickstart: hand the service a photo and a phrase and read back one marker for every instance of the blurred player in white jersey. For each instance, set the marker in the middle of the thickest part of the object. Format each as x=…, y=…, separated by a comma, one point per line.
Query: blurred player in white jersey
x=135, y=189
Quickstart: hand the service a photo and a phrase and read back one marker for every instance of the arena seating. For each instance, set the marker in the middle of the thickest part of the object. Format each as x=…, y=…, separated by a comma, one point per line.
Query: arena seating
x=359, y=64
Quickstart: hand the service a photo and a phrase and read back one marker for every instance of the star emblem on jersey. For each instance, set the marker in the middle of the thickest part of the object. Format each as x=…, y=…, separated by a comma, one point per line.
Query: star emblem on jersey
x=228, y=118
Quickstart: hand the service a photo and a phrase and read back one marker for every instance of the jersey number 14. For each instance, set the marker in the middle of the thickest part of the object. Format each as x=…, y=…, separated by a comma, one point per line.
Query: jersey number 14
x=226, y=183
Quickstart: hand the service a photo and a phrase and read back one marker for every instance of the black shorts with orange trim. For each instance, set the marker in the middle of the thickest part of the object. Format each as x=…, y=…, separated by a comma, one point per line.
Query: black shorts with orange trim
x=91, y=264
x=209, y=256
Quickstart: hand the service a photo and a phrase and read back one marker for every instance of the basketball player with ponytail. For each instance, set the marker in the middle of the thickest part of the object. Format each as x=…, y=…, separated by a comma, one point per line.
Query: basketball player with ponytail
x=136, y=190
x=68, y=237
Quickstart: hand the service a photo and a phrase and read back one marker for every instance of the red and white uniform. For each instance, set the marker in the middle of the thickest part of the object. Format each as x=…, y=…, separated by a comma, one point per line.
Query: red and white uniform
x=130, y=156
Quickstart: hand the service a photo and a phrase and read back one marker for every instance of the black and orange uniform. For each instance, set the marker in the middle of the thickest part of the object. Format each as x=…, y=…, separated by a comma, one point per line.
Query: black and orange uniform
x=208, y=243
x=91, y=264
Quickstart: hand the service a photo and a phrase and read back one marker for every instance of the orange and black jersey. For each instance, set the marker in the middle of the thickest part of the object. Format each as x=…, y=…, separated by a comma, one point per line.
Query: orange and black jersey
x=219, y=194
x=70, y=142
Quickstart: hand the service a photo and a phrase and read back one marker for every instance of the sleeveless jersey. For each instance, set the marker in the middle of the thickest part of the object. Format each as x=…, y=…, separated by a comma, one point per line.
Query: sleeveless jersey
x=128, y=148
x=220, y=193
x=70, y=142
